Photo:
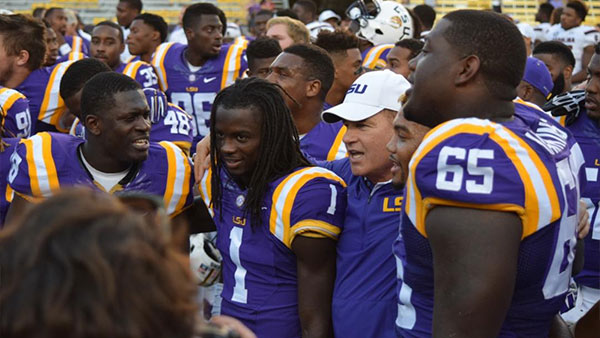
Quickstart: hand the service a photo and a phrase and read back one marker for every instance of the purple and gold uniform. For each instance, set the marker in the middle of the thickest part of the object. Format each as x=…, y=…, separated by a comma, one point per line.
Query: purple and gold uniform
x=47, y=162
x=77, y=44
x=140, y=71
x=6, y=172
x=195, y=91
x=16, y=118
x=376, y=57
x=72, y=56
x=587, y=133
x=324, y=141
x=42, y=88
x=529, y=166
x=260, y=285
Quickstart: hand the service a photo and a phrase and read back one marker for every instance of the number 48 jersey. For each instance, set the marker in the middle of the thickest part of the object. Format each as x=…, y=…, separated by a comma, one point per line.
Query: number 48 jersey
x=529, y=166
x=195, y=91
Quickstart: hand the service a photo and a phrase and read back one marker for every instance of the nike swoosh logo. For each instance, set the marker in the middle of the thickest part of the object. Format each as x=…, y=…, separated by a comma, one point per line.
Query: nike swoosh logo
x=209, y=79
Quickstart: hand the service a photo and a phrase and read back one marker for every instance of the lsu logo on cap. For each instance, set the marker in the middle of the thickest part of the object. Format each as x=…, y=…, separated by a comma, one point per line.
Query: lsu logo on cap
x=357, y=88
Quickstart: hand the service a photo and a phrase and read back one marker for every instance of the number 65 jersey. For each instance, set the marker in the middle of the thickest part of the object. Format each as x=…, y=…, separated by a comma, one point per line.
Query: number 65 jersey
x=260, y=285
x=530, y=166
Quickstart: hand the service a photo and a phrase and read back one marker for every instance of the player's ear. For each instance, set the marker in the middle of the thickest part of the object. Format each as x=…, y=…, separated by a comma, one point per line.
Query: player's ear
x=313, y=88
x=156, y=35
x=568, y=72
x=22, y=58
x=93, y=124
x=468, y=69
x=189, y=33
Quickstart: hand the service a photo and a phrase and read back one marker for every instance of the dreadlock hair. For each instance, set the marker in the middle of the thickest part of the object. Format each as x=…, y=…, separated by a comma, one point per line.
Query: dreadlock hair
x=279, y=151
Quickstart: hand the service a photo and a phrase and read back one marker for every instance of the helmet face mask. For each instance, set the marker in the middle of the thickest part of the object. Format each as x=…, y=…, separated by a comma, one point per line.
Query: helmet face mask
x=380, y=22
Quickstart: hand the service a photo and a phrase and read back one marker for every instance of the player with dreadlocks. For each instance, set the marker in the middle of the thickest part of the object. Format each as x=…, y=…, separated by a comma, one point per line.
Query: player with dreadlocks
x=277, y=217
x=6, y=147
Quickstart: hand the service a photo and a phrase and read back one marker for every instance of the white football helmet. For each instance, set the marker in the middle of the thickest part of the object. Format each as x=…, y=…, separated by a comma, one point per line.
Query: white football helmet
x=380, y=22
x=205, y=260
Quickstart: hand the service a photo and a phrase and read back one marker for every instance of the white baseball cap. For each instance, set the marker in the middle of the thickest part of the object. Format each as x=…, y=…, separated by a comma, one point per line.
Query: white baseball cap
x=369, y=94
x=328, y=14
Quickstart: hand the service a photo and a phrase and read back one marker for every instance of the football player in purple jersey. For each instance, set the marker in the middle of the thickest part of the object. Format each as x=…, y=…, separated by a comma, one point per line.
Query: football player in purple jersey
x=306, y=73
x=116, y=155
x=277, y=217
x=491, y=199
x=107, y=45
x=147, y=31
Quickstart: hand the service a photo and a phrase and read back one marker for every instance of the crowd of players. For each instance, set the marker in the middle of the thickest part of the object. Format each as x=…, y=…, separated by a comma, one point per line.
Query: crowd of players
x=371, y=176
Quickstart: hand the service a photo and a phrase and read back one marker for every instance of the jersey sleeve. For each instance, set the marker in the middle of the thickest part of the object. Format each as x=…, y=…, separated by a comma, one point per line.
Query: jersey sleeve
x=178, y=191
x=158, y=62
x=309, y=202
x=143, y=73
x=33, y=172
x=473, y=163
x=15, y=112
x=591, y=37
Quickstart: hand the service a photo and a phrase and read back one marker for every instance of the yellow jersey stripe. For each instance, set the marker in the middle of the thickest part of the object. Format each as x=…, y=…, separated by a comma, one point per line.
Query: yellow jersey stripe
x=177, y=172
x=532, y=172
x=34, y=184
x=52, y=105
x=562, y=120
x=307, y=226
x=528, y=104
x=338, y=146
x=8, y=196
x=285, y=195
x=377, y=56
x=49, y=162
x=158, y=61
x=127, y=70
x=226, y=66
x=77, y=44
x=135, y=69
x=205, y=190
x=8, y=97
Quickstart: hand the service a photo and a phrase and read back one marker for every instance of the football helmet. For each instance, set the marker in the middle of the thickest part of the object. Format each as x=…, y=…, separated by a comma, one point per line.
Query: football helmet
x=380, y=22
x=157, y=102
x=205, y=260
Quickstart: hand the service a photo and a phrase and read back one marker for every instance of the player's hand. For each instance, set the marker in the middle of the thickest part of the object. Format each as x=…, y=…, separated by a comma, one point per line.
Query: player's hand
x=234, y=325
x=583, y=221
x=202, y=158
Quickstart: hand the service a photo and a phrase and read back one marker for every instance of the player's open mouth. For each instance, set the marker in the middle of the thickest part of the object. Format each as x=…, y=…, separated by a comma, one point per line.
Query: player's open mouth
x=141, y=144
x=591, y=104
x=355, y=155
x=232, y=163
x=395, y=165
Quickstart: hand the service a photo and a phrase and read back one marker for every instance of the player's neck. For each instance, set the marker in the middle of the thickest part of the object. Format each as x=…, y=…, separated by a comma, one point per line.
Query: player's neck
x=308, y=116
x=335, y=95
x=19, y=75
x=147, y=57
x=101, y=160
x=196, y=60
x=494, y=110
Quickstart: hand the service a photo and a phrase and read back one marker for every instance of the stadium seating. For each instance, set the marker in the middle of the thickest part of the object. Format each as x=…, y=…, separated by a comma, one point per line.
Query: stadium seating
x=93, y=11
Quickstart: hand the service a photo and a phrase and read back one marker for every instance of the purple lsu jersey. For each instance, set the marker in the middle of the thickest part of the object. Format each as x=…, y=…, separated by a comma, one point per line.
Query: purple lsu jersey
x=529, y=166
x=46, y=162
x=77, y=44
x=16, y=118
x=72, y=56
x=324, y=141
x=5, y=172
x=259, y=267
x=195, y=91
x=587, y=133
x=140, y=71
x=376, y=57
x=42, y=88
